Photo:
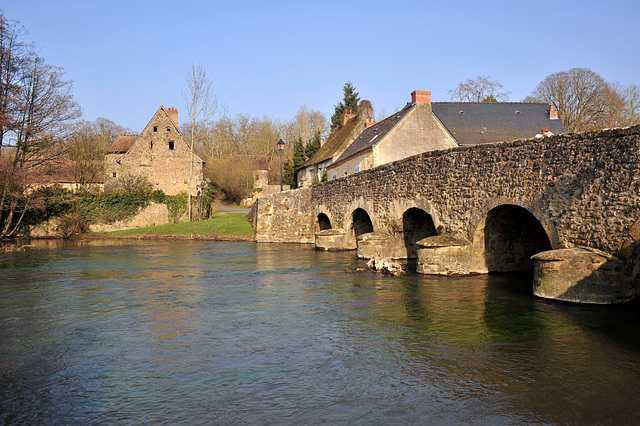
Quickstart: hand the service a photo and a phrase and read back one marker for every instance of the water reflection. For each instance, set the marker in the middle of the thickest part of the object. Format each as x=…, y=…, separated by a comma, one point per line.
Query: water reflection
x=203, y=332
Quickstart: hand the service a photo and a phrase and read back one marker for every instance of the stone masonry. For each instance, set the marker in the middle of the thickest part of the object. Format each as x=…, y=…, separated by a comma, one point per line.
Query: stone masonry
x=584, y=189
x=161, y=154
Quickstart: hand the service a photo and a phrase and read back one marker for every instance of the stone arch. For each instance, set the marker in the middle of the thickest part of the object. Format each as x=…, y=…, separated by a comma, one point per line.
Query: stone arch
x=323, y=222
x=416, y=225
x=507, y=238
x=397, y=209
x=361, y=222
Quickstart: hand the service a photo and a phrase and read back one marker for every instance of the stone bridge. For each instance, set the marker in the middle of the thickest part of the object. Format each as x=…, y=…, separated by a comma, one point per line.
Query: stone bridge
x=572, y=202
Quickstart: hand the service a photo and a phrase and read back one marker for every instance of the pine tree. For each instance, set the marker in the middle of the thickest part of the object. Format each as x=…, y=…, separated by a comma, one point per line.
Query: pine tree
x=299, y=157
x=349, y=101
x=313, y=145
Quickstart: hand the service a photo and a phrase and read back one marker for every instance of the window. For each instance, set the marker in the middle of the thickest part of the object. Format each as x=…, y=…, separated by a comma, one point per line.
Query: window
x=168, y=129
x=335, y=176
x=115, y=174
x=170, y=144
x=155, y=128
x=150, y=144
x=357, y=169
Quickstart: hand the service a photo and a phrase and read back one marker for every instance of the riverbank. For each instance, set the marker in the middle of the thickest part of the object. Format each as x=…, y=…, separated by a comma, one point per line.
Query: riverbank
x=222, y=226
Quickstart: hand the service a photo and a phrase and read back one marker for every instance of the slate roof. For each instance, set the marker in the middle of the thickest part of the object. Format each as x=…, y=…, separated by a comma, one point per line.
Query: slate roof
x=475, y=123
x=374, y=134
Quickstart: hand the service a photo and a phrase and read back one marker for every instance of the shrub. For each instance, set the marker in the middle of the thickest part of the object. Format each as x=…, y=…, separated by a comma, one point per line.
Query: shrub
x=233, y=175
x=177, y=206
x=117, y=205
x=72, y=223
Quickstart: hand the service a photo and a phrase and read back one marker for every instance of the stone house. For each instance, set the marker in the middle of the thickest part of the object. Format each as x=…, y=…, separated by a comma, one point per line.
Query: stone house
x=160, y=154
x=339, y=139
x=423, y=126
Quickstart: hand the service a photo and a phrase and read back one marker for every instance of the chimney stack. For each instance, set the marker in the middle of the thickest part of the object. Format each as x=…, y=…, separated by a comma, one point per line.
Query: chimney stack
x=553, y=114
x=420, y=97
x=369, y=124
x=173, y=114
x=347, y=115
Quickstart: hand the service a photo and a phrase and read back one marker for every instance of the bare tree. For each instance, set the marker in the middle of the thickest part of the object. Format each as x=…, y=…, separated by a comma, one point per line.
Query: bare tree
x=14, y=52
x=37, y=111
x=308, y=122
x=45, y=108
x=482, y=89
x=201, y=104
x=631, y=99
x=86, y=148
x=584, y=100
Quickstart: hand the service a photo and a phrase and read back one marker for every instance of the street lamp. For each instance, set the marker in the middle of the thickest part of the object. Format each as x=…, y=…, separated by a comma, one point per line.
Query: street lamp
x=280, y=146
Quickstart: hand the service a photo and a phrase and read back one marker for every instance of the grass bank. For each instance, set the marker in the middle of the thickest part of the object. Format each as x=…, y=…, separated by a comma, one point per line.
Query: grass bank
x=222, y=226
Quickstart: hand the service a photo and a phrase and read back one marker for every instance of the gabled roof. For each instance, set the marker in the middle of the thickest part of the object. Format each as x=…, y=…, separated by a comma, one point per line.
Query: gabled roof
x=122, y=144
x=472, y=123
x=374, y=134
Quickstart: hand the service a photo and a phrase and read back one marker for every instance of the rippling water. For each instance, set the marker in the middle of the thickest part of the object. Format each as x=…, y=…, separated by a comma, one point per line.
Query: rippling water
x=123, y=332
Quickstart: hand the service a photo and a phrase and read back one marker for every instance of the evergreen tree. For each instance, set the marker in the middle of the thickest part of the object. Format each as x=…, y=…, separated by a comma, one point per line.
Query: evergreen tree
x=299, y=157
x=349, y=101
x=313, y=145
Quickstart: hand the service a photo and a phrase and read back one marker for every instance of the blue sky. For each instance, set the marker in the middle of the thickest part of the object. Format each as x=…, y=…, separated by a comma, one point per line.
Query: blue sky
x=267, y=58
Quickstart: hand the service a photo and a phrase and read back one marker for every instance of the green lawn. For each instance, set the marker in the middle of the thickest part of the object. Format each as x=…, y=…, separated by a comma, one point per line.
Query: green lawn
x=221, y=224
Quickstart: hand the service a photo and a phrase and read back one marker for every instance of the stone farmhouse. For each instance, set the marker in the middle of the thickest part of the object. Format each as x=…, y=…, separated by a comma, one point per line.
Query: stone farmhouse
x=160, y=154
x=423, y=126
x=336, y=143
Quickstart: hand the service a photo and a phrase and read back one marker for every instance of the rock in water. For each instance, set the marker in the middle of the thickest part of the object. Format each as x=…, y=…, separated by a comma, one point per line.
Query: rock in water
x=378, y=263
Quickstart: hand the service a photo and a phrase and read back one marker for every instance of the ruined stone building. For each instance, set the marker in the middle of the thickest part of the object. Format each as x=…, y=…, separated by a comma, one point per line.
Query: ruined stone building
x=160, y=154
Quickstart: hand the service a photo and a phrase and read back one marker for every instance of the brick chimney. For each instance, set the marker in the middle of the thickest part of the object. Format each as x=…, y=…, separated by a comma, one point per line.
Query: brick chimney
x=347, y=115
x=553, y=114
x=369, y=124
x=173, y=114
x=420, y=97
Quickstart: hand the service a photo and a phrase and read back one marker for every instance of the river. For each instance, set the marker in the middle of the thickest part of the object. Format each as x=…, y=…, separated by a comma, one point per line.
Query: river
x=139, y=332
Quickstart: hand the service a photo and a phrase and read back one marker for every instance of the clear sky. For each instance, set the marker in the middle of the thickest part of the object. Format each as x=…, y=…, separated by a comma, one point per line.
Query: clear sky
x=267, y=58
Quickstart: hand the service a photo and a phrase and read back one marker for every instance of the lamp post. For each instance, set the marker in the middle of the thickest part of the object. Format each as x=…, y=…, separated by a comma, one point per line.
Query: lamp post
x=280, y=146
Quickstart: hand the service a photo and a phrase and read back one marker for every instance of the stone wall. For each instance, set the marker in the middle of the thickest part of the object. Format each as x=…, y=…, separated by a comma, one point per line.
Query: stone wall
x=284, y=217
x=584, y=188
x=153, y=214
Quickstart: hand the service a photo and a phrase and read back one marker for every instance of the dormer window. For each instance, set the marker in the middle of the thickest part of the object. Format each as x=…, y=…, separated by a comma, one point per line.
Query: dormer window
x=171, y=145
